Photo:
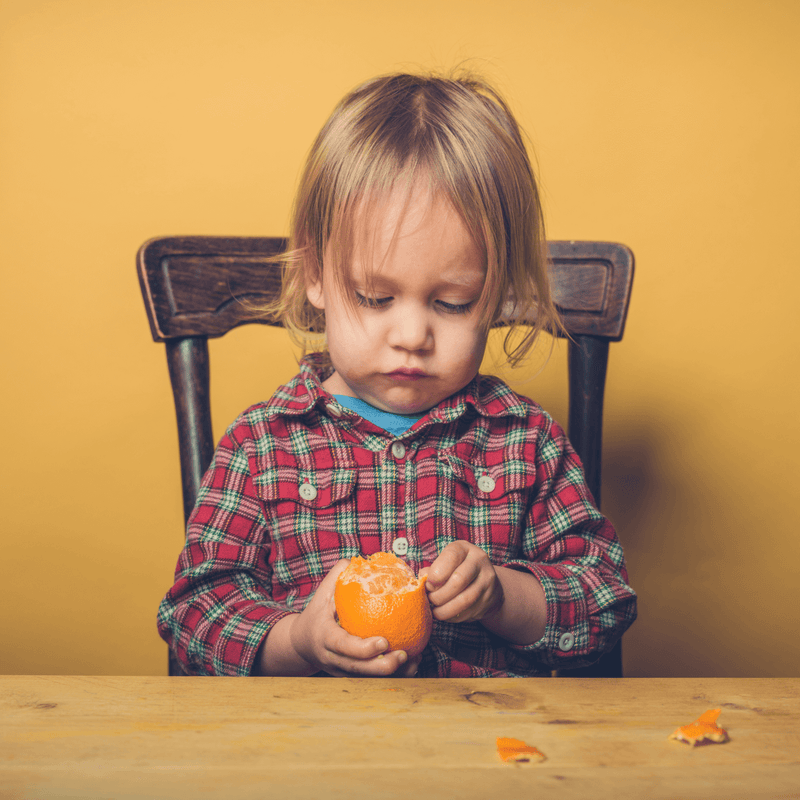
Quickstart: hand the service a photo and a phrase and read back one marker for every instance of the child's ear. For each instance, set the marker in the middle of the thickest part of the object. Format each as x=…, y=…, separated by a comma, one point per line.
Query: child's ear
x=315, y=295
x=314, y=291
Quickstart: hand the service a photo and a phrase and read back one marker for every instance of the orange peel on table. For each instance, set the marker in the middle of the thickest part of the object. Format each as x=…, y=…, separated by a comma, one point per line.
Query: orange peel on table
x=703, y=729
x=517, y=750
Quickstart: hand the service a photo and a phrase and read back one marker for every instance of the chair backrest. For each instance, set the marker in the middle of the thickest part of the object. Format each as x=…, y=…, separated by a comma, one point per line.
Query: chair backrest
x=193, y=288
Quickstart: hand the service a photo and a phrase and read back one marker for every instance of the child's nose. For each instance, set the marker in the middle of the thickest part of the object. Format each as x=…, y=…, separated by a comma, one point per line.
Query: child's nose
x=411, y=329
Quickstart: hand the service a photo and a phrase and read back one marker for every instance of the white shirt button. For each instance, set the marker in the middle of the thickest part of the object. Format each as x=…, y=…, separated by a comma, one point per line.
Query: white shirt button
x=400, y=546
x=486, y=483
x=334, y=410
x=398, y=450
x=566, y=642
x=307, y=491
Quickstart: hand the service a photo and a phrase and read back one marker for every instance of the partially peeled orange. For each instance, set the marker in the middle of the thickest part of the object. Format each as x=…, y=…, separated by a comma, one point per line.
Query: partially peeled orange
x=380, y=596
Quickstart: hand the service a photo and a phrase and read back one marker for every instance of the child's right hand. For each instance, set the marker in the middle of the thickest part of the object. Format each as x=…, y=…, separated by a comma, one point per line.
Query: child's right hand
x=318, y=639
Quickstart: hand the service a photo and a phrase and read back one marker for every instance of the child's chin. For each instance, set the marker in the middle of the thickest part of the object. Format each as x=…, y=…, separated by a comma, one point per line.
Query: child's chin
x=415, y=407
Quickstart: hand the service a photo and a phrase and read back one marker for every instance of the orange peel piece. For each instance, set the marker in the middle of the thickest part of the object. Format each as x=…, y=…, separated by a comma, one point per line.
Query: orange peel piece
x=703, y=729
x=517, y=750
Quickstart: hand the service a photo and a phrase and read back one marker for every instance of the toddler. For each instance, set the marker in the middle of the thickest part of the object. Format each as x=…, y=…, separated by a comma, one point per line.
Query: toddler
x=417, y=224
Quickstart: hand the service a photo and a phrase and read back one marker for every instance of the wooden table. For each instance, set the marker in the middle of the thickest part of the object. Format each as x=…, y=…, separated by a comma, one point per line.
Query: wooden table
x=287, y=738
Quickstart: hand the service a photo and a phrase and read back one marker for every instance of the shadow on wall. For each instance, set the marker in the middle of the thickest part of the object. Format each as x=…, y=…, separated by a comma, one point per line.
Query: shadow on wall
x=687, y=547
x=665, y=521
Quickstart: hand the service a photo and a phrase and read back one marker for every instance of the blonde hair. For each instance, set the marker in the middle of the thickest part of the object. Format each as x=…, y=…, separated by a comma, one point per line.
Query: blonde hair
x=460, y=135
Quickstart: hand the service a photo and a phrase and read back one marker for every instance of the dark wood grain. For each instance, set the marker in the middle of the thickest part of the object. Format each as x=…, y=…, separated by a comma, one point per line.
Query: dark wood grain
x=591, y=283
x=187, y=360
x=207, y=285
x=199, y=287
x=587, y=363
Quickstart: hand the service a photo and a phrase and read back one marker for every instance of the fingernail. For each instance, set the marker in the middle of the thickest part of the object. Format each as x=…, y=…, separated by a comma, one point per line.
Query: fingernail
x=402, y=657
x=382, y=644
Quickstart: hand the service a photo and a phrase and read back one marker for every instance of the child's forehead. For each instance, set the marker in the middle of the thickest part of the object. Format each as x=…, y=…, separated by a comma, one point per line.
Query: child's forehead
x=401, y=245
x=380, y=218
x=408, y=198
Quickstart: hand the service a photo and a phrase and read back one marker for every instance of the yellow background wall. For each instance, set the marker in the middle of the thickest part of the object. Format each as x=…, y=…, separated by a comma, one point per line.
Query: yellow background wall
x=669, y=125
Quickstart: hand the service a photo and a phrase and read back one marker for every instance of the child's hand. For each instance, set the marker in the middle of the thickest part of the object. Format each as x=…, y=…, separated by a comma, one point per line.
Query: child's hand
x=317, y=638
x=462, y=584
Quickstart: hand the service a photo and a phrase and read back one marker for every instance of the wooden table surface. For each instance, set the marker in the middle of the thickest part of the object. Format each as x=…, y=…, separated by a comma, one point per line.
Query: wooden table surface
x=287, y=738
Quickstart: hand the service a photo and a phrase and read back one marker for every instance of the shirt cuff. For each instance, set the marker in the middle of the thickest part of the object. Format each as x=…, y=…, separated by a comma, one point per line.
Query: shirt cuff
x=235, y=650
x=566, y=634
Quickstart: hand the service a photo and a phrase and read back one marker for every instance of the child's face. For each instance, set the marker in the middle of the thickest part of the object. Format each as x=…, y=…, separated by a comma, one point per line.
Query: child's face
x=413, y=337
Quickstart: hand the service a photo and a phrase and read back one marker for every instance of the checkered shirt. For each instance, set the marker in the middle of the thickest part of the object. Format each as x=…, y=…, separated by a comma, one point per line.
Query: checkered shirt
x=299, y=482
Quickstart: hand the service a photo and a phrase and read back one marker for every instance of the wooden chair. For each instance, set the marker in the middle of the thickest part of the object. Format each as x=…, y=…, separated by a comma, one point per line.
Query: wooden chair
x=193, y=288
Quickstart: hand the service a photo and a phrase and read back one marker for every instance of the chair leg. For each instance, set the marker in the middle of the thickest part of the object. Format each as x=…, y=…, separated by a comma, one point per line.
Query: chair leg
x=588, y=361
x=189, y=372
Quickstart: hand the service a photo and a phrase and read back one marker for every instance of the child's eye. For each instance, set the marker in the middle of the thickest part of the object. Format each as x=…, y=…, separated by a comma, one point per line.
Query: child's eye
x=371, y=302
x=455, y=308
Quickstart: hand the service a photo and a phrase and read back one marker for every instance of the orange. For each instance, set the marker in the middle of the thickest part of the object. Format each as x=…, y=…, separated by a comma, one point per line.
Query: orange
x=704, y=729
x=381, y=596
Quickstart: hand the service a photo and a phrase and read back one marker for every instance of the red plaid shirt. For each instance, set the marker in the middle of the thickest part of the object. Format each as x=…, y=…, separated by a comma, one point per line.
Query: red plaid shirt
x=299, y=482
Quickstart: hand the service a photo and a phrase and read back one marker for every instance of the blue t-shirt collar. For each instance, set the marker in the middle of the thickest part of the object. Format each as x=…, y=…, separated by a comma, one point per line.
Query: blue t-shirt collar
x=393, y=423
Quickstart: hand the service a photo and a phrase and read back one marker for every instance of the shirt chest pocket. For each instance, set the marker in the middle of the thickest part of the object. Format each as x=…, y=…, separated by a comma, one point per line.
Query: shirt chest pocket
x=296, y=500
x=491, y=502
x=497, y=483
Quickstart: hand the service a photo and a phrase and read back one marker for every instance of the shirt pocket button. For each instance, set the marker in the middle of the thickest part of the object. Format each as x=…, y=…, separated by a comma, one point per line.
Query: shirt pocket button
x=307, y=491
x=400, y=546
x=486, y=483
x=566, y=642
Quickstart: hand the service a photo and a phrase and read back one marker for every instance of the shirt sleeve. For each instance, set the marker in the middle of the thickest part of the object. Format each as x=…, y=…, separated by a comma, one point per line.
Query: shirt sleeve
x=574, y=553
x=220, y=610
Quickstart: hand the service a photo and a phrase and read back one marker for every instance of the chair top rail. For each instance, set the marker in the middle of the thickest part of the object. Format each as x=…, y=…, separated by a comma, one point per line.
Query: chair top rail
x=207, y=285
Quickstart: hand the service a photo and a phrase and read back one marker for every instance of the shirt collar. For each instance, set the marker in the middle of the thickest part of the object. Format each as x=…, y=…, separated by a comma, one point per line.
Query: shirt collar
x=489, y=396
x=304, y=391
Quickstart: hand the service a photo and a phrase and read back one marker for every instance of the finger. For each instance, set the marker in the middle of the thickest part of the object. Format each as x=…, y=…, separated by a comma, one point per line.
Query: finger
x=384, y=665
x=335, y=571
x=445, y=563
x=324, y=592
x=341, y=643
x=327, y=587
x=461, y=579
x=453, y=612
x=466, y=606
x=352, y=654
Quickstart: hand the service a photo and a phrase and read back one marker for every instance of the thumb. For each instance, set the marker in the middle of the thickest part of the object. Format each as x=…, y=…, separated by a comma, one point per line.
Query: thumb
x=337, y=569
x=425, y=573
x=327, y=588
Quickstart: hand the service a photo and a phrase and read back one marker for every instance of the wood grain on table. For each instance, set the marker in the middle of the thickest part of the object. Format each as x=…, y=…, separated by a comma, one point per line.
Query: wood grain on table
x=137, y=737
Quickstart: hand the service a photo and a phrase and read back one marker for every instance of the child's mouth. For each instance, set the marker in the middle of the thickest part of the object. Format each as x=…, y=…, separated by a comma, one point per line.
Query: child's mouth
x=407, y=374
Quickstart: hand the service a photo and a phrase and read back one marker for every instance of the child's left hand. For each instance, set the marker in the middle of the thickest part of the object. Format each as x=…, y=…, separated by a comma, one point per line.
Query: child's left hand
x=462, y=584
